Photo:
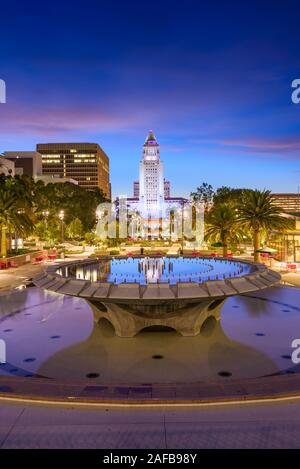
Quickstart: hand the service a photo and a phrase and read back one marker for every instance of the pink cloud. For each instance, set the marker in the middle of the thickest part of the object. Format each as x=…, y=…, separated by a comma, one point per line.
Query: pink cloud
x=52, y=121
x=286, y=144
x=253, y=144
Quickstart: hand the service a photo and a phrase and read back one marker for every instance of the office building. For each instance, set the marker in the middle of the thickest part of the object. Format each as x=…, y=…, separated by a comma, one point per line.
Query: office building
x=87, y=163
x=289, y=202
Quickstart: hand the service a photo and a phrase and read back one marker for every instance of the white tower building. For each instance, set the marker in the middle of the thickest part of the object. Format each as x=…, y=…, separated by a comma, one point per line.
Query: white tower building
x=151, y=183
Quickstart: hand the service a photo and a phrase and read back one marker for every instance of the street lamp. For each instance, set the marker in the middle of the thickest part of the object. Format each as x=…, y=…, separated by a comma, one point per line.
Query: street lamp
x=61, y=216
x=45, y=214
x=19, y=212
x=98, y=214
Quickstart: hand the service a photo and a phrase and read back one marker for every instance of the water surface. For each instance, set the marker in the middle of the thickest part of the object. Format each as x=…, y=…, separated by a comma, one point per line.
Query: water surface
x=56, y=336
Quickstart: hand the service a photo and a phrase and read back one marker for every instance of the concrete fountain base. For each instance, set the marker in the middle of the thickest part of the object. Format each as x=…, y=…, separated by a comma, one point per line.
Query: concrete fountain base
x=128, y=319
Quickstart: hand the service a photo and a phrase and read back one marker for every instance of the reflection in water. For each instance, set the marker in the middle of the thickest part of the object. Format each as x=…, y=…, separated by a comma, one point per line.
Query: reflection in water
x=56, y=336
x=248, y=303
x=152, y=270
x=181, y=359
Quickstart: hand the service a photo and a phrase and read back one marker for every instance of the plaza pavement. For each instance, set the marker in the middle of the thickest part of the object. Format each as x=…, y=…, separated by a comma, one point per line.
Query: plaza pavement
x=268, y=425
x=248, y=425
x=291, y=278
x=15, y=276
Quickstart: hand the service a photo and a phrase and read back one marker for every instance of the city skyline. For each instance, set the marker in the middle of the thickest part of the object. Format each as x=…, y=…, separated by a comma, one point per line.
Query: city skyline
x=221, y=109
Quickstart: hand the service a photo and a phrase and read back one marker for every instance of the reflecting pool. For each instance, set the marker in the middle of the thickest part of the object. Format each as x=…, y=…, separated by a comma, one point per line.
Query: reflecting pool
x=56, y=336
x=157, y=270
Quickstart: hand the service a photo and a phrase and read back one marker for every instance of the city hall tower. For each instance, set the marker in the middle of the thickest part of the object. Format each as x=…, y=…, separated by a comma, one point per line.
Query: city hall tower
x=151, y=181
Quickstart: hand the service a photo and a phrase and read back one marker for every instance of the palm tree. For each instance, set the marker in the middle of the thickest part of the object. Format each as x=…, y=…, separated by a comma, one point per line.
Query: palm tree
x=221, y=225
x=12, y=217
x=257, y=212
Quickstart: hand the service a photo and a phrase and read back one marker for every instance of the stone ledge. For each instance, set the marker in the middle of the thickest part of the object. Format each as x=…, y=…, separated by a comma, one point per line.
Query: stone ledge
x=72, y=287
x=238, y=391
x=125, y=290
x=243, y=285
x=101, y=290
x=192, y=290
x=158, y=291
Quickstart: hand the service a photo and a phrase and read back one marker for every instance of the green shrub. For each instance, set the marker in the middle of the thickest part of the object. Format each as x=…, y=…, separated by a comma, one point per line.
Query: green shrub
x=114, y=252
x=19, y=252
x=29, y=243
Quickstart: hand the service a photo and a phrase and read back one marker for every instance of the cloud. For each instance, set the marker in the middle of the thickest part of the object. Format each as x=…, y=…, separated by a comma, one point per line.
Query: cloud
x=288, y=146
x=279, y=145
x=37, y=121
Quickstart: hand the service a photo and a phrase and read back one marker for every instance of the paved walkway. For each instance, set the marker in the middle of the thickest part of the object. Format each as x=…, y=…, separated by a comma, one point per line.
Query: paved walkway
x=291, y=278
x=245, y=426
x=16, y=276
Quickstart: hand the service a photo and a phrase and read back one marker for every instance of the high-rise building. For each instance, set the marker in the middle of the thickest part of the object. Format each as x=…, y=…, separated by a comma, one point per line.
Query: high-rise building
x=87, y=163
x=136, y=189
x=151, y=182
x=151, y=194
x=28, y=163
x=167, y=189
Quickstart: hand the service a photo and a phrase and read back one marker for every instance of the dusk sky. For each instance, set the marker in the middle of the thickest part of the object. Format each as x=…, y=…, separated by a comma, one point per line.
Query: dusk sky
x=212, y=79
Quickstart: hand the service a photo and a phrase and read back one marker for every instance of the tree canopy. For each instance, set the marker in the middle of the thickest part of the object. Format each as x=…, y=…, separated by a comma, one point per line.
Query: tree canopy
x=24, y=203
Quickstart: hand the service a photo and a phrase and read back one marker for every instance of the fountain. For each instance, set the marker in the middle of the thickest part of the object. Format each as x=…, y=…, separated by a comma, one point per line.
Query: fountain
x=180, y=293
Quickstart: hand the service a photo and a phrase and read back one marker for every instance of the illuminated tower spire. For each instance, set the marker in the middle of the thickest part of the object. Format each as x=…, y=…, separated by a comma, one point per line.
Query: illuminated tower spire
x=150, y=140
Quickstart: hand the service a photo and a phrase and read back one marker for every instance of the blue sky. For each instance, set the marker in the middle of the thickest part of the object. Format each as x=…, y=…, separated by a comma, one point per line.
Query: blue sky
x=212, y=79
